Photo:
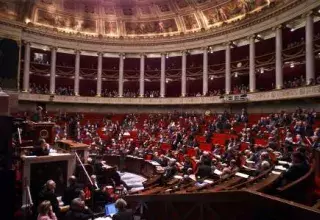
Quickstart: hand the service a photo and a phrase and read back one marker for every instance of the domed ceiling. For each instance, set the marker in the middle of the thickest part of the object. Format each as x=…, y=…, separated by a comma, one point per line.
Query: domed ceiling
x=134, y=18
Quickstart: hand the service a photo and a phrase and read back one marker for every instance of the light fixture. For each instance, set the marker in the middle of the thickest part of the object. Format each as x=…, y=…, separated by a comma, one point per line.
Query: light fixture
x=292, y=65
x=167, y=55
x=262, y=70
x=211, y=77
x=236, y=74
x=27, y=20
x=124, y=56
x=259, y=37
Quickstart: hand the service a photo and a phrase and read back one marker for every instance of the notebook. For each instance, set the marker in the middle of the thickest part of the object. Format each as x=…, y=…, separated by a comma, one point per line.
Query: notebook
x=110, y=209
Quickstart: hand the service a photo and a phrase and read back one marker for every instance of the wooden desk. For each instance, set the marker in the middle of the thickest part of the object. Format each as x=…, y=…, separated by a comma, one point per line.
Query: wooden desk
x=71, y=146
x=133, y=165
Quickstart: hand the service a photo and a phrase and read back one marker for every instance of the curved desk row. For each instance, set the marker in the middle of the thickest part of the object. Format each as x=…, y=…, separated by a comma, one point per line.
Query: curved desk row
x=135, y=165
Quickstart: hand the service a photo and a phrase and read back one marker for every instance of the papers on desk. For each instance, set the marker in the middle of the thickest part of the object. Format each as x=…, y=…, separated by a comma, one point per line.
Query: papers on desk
x=282, y=162
x=178, y=177
x=276, y=172
x=208, y=181
x=155, y=163
x=280, y=168
x=193, y=177
x=218, y=172
x=243, y=175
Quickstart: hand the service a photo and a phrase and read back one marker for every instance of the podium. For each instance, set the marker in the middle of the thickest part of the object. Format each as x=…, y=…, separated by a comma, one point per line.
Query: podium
x=37, y=170
x=34, y=131
x=71, y=146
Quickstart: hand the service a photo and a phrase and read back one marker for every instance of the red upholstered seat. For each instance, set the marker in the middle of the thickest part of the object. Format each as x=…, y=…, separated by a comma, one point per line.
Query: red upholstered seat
x=205, y=147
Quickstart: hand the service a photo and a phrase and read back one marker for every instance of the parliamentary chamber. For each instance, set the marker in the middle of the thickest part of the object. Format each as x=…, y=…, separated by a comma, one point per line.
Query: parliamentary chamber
x=108, y=61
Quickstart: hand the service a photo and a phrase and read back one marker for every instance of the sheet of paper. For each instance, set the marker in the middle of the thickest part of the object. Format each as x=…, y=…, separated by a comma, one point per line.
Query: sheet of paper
x=276, y=172
x=218, y=172
x=208, y=181
x=243, y=175
x=280, y=168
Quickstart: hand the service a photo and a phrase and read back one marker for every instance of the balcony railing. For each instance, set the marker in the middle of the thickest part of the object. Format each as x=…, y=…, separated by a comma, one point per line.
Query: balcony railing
x=295, y=93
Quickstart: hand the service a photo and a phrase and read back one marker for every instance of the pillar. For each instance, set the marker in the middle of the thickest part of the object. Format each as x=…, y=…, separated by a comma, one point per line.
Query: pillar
x=252, y=65
x=76, y=73
x=163, y=76
x=99, y=75
x=228, y=69
x=279, y=71
x=26, y=69
x=184, y=74
x=142, y=68
x=310, y=73
x=121, y=66
x=205, y=72
x=53, y=70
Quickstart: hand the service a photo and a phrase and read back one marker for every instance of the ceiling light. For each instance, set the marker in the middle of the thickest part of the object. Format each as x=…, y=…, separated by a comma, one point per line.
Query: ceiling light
x=27, y=20
x=167, y=55
x=292, y=29
x=291, y=65
x=262, y=70
x=211, y=77
x=236, y=74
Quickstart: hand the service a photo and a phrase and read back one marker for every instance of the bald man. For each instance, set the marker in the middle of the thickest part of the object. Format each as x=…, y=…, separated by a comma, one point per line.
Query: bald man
x=71, y=192
x=48, y=193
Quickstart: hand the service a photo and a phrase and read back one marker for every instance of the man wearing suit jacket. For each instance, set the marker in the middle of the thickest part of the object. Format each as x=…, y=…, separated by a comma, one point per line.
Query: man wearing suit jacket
x=123, y=213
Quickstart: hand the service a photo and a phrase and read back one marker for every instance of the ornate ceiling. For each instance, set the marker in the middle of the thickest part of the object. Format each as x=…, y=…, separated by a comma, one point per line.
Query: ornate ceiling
x=133, y=18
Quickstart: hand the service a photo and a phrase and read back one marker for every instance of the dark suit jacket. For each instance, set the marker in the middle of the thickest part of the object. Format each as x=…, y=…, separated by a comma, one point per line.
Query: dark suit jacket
x=204, y=171
x=50, y=196
x=70, y=193
x=79, y=215
x=123, y=215
x=38, y=151
x=295, y=172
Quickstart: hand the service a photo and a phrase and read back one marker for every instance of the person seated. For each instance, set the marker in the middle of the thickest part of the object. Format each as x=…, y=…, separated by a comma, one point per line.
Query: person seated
x=123, y=213
x=71, y=191
x=203, y=171
x=43, y=148
x=298, y=169
x=169, y=171
x=315, y=142
x=78, y=211
x=45, y=211
x=48, y=194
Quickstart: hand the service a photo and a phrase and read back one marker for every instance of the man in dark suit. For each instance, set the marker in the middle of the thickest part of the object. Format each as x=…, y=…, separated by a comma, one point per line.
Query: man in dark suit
x=298, y=169
x=71, y=191
x=123, y=213
x=78, y=211
x=43, y=148
x=48, y=193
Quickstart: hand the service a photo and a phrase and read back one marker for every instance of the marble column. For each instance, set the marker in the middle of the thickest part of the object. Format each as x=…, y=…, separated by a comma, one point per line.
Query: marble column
x=279, y=71
x=205, y=72
x=26, y=68
x=53, y=70
x=252, y=65
x=77, y=73
x=163, y=76
x=310, y=73
x=142, y=68
x=228, y=69
x=184, y=74
x=99, y=74
x=121, y=66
